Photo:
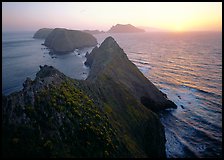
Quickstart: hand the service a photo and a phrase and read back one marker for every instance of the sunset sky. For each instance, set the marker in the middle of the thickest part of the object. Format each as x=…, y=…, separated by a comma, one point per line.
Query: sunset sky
x=170, y=16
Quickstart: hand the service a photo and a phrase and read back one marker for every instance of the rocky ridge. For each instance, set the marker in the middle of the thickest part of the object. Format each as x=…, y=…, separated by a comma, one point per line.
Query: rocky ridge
x=103, y=116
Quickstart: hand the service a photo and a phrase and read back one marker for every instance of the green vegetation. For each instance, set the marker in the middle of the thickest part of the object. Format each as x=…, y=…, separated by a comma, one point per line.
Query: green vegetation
x=63, y=122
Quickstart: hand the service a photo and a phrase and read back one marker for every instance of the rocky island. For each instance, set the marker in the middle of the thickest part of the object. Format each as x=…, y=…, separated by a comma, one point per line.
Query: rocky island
x=62, y=40
x=124, y=28
x=110, y=114
x=42, y=33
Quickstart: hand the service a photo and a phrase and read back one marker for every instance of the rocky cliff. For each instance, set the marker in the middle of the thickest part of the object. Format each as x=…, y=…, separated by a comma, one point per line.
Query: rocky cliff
x=51, y=117
x=42, y=33
x=62, y=40
x=124, y=28
x=109, y=60
x=56, y=116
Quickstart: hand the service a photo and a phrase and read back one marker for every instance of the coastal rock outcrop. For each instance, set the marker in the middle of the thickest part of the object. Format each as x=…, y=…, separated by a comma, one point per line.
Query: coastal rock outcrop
x=62, y=40
x=102, y=116
x=124, y=28
x=51, y=117
x=110, y=61
x=42, y=33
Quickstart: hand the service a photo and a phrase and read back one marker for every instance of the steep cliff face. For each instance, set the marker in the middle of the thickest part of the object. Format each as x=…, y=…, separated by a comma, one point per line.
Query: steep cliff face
x=128, y=98
x=42, y=33
x=62, y=40
x=124, y=28
x=110, y=61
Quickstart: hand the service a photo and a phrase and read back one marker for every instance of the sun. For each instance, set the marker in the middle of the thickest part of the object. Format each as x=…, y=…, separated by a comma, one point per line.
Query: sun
x=178, y=28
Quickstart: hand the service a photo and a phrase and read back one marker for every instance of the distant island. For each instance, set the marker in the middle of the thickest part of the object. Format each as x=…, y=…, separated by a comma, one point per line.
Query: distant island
x=62, y=40
x=44, y=32
x=110, y=114
x=124, y=28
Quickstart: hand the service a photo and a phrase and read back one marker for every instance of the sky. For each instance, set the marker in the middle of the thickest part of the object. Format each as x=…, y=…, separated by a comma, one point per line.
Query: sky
x=169, y=16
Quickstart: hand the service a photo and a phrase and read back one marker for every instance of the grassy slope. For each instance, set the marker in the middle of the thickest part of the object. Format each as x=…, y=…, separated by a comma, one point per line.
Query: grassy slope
x=63, y=122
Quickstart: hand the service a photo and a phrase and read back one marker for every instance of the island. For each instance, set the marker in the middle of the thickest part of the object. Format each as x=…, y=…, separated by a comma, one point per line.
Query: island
x=42, y=33
x=124, y=28
x=113, y=113
x=62, y=40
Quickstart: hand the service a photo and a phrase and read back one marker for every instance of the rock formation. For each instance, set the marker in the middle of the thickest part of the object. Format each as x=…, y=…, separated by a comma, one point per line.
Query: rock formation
x=42, y=33
x=62, y=40
x=103, y=116
x=109, y=60
x=126, y=28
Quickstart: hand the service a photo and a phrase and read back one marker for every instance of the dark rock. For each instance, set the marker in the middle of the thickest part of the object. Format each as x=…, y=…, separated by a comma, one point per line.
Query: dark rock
x=87, y=53
x=27, y=82
x=109, y=60
x=62, y=40
x=42, y=33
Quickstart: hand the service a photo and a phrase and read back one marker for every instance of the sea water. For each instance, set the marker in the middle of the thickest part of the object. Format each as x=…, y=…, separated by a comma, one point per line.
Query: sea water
x=22, y=55
x=185, y=66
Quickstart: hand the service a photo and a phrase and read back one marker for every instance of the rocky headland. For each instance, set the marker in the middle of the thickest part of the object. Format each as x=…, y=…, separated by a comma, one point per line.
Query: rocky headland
x=42, y=33
x=62, y=40
x=110, y=114
x=124, y=28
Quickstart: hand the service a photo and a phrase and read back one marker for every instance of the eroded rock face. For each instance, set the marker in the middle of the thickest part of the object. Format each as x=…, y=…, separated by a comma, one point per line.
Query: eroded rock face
x=42, y=33
x=62, y=40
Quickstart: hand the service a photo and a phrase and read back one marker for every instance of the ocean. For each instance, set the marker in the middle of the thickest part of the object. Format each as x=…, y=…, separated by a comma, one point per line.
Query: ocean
x=185, y=66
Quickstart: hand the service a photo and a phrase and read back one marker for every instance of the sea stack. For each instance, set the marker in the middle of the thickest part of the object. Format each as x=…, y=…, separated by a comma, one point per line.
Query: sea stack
x=62, y=40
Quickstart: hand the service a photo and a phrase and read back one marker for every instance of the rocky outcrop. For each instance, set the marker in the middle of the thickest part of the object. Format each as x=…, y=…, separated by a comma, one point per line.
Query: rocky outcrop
x=103, y=116
x=51, y=117
x=62, y=40
x=124, y=28
x=118, y=87
x=109, y=60
x=42, y=33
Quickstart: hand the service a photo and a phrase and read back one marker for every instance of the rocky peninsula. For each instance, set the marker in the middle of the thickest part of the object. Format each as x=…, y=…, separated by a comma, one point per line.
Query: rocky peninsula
x=62, y=40
x=124, y=28
x=110, y=114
